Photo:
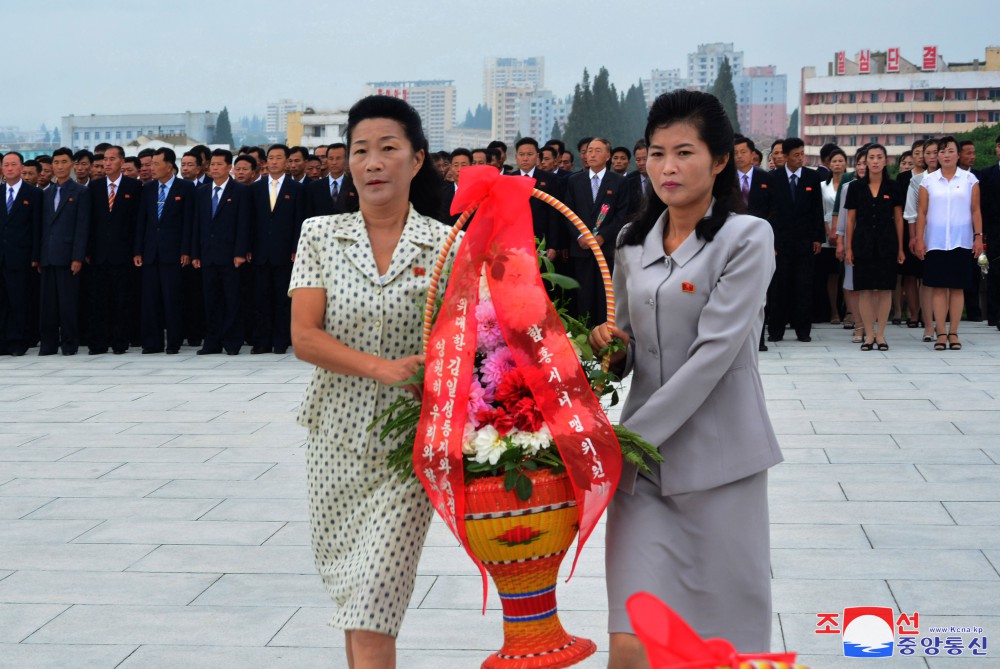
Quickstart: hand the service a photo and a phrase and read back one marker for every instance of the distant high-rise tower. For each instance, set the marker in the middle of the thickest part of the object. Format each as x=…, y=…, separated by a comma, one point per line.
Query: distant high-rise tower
x=507, y=83
x=277, y=115
x=703, y=64
x=434, y=100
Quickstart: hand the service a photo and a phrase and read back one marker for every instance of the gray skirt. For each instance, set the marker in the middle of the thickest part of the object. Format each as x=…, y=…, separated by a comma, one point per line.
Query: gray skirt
x=706, y=554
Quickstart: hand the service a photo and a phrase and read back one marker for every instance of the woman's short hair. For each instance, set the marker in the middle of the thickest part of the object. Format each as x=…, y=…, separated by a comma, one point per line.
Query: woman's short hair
x=705, y=113
x=425, y=186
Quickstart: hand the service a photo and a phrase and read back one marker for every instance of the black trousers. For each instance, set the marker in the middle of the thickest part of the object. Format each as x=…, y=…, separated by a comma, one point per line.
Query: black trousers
x=273, y=306
x=248, y=316
x=60, y=314
x=993, y=277
x=110, y=309
x=14, y=294
x=588, y=303
x=221, y=292
x=194, y=305
x=34, y=307
x=162, y=306
x=791, y=291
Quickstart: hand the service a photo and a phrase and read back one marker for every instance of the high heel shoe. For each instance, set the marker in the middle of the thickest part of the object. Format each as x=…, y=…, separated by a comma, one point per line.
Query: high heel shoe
x=867, y=346
x=859, y=334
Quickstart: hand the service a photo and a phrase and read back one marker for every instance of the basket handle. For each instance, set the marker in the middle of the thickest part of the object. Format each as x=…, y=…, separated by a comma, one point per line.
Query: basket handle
x=580, y=226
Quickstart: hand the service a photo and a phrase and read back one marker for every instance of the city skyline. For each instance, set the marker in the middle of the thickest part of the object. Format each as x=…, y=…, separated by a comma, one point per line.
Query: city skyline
x=298, y=60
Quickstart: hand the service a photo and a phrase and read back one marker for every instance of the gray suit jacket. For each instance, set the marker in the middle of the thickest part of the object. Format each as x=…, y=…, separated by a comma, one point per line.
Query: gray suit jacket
x=695, y=320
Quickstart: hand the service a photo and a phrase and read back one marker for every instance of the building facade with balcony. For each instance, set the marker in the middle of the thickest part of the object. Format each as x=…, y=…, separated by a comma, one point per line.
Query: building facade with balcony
x=896, y=108
x=86, y=132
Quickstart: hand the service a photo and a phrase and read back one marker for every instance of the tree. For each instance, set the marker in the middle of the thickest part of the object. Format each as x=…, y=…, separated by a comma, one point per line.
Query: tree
x=223, y=130
x=985, y=139
x=793, y=124
x=723, y=89
x=56, y=138
x=634, y=114
x=578, y=123
x=555, y=133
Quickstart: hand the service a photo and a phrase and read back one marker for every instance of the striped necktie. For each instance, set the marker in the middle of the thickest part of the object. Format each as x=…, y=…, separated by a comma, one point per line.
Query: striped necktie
x=10, y=198
x=334, y=190
x=162, y=200
x=111, y=197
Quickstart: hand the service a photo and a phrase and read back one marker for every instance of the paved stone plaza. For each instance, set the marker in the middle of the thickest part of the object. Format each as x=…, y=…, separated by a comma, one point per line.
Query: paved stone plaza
x=153, y=515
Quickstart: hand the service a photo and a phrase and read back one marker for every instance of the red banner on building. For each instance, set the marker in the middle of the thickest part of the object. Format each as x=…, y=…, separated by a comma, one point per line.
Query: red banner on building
x=864, y=61
x=841, y=62
x=892, y=60
x=930, y=58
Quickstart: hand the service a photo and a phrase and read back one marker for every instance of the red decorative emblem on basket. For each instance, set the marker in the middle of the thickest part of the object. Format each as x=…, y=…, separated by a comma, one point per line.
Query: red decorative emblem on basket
x=518, y=536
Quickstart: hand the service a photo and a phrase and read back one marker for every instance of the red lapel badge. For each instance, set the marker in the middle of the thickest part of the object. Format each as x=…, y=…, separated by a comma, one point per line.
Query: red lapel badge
x=177, y=198
x=70, y=200
x=288, y=197
x=763, y=185
x=611, y=192
x=419, y=271
x=687, y=287
x=25, y=201
x=229, y=199
x=808, y=188
x=127, y=196
x=886, y=197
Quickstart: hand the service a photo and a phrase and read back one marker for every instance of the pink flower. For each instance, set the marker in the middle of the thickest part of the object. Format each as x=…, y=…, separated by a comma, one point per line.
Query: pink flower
x=488, y=334
x=497, y=363
x=477, y=400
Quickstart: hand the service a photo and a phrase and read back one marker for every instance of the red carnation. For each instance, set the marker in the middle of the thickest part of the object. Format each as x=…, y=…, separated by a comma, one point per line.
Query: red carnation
x=498, y=418
x=527, y=417
x=511, y=388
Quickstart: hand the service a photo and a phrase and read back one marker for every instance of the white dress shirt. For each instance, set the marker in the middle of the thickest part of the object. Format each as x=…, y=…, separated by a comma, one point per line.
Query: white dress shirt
x=949, y=210
x=599, y=175
x=339, y=181
x=116, y=183
x=527, y=174
x=748, y=175
x=12, y=187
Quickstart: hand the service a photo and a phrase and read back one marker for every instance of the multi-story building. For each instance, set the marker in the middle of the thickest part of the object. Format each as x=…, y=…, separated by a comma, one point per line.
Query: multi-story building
x=762, y=102
x=512, y=73
x=506, y=107
x=703, y=64
x=660, y=82
x=434, y=100
x=468, y=138
x=882, y=97
x=85, y=132
x=276, y=122
x=540, y=111
x=312, y=128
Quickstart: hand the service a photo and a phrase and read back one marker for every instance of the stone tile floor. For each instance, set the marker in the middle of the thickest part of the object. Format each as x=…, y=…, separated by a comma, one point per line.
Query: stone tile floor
x=152, y=511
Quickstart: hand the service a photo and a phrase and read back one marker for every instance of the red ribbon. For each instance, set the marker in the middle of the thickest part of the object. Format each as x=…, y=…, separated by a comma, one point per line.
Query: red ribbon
x=670, y=642
x=502, y=239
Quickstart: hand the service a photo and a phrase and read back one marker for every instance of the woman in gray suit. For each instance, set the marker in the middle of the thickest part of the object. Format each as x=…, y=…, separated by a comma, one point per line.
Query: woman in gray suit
x=690, y=285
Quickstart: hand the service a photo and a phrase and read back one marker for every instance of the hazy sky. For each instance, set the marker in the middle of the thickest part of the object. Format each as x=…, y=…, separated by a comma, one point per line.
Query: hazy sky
x=198, y=55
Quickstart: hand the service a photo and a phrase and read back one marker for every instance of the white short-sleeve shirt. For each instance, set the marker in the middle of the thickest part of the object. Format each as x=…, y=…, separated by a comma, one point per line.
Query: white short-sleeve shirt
x=949, y=210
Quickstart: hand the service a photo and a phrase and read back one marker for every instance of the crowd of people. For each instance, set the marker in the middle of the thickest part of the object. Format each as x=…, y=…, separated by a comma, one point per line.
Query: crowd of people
x=108, y=251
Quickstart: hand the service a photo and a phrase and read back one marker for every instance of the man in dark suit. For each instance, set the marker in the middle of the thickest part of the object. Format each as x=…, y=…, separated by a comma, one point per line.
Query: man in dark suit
x=637, y=181
x=752, y=182
x=989, y=197
x=973, y=308
x=162, y=249
x=296, y=167
x=219, y=247
x=796, y=215
x=278, y=209
x=334, y=194
x=114, y=211
x=460, y=159
x=20, y=241
x=194, y=164
x=549, y=225
x=65, y=224
x=586, y=193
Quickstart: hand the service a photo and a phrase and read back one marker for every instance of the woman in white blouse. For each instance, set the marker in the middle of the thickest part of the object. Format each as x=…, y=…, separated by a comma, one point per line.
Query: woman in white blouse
x=828, y=255
x=949, y=228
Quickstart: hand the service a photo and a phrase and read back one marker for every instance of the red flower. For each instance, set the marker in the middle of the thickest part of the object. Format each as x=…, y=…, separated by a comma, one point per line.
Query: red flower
x=498, y=418
x=518, y=536
x=527, y=417
x=511, y=389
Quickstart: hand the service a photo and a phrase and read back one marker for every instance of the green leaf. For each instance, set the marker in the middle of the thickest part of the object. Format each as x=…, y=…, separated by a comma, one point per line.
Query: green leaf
x=530, y=465
x=524, y=488
x=510, y=479
x=416, y=380
x=560, y=280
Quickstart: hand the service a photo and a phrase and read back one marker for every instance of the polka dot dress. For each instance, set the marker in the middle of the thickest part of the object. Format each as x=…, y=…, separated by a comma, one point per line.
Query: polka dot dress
x=368, y=526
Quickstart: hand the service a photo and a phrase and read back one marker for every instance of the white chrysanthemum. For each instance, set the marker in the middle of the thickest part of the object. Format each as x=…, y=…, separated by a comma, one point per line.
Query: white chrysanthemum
x=488, y=444
x=470, y=432
x=532, y=442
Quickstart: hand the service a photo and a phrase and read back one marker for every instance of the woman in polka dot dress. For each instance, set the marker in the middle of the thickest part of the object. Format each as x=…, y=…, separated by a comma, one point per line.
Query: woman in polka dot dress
x=358, y=289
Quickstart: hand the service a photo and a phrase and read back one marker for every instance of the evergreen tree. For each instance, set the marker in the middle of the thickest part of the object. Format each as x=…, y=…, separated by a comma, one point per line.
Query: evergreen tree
x=606, y=109
x=47, y=138
x=469, y=119
x=723, y=89
x=634, y=114
x=555, y=133
x=793, y=125
x=578, y=123
x=56, y=138
x=223, y=130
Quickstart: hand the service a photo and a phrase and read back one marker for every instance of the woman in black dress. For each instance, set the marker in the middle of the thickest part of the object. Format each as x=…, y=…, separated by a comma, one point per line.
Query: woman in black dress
x=875, y=244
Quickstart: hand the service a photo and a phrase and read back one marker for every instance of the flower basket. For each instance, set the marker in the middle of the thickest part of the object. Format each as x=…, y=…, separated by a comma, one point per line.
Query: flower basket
x=510, y=440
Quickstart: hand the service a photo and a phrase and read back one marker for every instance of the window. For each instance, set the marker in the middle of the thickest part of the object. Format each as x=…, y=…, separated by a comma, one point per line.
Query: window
x=873, y=139
x=928, y=96
x=994, y=117
x=995, y=94
x=118, y=134
x=960, y=118
x=900, y=96
x=107, y=134
x=874, y=97
x=128, y=134
x=873, y=119
x=928, y=118
x=852, y=119
x=961, y=95
x=86, y=135
x=76, y=135
x=900, y=118
x=899, y=140
x=852, y=97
